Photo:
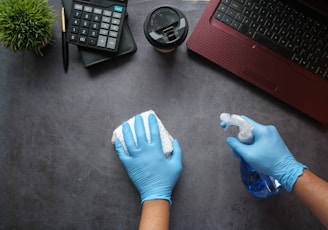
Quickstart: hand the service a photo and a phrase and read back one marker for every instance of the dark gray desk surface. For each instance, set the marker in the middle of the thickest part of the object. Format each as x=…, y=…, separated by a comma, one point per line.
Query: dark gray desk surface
x=59, y=170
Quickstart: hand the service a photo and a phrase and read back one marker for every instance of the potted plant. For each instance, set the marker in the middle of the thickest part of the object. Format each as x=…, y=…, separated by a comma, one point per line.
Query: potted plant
x=26, y=25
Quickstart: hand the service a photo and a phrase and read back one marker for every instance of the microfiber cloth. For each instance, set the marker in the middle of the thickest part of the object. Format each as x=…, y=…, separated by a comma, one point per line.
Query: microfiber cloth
x=166, y=138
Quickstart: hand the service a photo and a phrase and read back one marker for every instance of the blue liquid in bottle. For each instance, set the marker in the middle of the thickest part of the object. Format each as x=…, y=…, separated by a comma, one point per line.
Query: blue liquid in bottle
x=261, y=186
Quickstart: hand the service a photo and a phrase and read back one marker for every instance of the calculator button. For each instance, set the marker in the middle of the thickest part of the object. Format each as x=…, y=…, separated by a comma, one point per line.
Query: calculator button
x=78, y=7
x=111, y=43
x=85, y=24
x=86, y=16
x=75, y=30
x=103, y=32
x=97, y=11
x=73, y=37
x=102, y=41
x=84, y=32
x=77, y=14
x=82, y=39
x=88, y=9
x=104, y=26
x=76, y=22
x=115, y=21
x=107, y=13
x=92, y=41
x=114, y=27
x=117, y=15
x=105, y=19
x=94, y=26
x=113, y=34
x=118, y=9
x=96, y=18
x=94, y=33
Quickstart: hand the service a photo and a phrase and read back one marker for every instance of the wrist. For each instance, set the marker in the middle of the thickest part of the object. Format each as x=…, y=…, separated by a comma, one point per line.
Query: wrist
x=290, y=177
x=157, y=197
x=155, y=215
x=157, y=202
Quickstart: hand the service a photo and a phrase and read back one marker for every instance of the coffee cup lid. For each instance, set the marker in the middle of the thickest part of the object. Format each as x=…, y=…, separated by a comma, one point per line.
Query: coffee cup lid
x=166, y=27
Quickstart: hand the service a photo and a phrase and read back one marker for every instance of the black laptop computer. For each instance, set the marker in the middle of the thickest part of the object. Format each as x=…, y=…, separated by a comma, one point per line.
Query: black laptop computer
x=279, y=46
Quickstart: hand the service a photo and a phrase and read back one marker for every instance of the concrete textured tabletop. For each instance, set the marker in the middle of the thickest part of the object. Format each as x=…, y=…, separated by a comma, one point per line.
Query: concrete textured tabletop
x=59, y=170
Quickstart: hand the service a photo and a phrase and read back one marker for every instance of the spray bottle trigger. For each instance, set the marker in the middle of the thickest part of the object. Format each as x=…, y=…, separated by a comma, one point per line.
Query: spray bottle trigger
x=245, y=128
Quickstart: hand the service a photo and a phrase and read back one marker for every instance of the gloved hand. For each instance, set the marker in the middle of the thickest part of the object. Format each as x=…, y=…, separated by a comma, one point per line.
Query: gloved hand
x=151, y=172
x=268, y=154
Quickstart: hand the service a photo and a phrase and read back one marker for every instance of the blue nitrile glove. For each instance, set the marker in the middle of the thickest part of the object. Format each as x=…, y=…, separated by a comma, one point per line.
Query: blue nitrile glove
x=268, y=154
x=151, y=172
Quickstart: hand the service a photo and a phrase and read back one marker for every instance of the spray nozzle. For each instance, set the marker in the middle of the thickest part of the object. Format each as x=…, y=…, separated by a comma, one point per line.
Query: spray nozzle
x=245, y=128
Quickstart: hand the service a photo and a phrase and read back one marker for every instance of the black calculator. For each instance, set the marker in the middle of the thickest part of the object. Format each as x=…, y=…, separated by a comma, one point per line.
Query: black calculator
x=96, y=24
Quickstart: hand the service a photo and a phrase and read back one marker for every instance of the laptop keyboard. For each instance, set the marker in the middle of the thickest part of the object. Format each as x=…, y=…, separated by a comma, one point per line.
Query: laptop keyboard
x=276, y=25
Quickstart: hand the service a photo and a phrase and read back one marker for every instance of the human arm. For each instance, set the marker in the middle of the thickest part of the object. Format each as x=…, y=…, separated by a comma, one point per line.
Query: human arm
x=155, y=215
x=151, y=172
x=313, y=192
x=269, y=155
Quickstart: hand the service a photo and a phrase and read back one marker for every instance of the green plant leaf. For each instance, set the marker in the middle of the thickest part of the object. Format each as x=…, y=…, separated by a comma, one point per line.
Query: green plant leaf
x=26, y=24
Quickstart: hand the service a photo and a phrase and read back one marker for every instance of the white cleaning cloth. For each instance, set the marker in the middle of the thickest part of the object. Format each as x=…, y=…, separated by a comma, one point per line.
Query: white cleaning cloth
x=166, y=138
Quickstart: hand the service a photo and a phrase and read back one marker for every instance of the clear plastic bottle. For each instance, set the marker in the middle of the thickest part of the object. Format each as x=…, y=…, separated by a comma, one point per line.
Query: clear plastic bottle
x=259, y=185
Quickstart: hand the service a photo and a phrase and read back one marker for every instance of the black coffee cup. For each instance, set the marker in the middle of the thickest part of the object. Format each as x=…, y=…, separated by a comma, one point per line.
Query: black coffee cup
x=166, y=27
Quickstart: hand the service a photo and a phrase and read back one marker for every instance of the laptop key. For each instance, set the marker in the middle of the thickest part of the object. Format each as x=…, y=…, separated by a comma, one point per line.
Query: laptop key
x=231, y=12
x=235, y=24
x=243, y=28
x=240, y=1
x=222, y=8
x=273, y=46
x=218, y=15
x=227, y=20
x=227, y=2
x=236, y=6
x=250, y=33
x=239, y=17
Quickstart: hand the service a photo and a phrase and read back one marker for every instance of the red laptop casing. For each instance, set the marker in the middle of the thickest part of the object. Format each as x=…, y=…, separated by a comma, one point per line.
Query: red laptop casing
x=259, y=65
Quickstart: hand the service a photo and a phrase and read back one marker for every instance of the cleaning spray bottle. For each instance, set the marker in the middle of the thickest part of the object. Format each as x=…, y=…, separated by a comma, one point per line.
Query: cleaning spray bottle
x=257, y=184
